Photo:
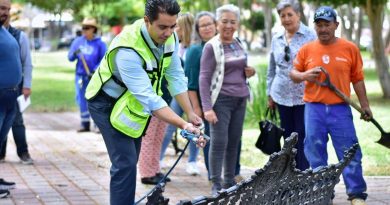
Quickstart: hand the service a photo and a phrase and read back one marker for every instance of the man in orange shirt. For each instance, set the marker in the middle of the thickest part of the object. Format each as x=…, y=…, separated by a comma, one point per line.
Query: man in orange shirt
x=325, y=112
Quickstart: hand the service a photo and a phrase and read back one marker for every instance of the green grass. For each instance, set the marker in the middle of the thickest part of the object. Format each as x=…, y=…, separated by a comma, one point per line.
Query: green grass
x=53, y=91
x=53, y=83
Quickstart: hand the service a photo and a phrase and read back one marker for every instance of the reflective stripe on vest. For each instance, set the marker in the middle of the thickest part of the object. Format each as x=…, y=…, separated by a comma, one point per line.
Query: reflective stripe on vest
x=127, y=115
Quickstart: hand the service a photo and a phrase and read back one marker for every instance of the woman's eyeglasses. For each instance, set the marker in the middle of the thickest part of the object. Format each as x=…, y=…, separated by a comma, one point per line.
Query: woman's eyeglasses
x=206, y=25
x=287, y=53
x=86, y=27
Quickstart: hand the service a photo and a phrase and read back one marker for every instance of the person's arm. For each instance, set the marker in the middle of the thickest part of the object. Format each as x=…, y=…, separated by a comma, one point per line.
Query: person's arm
x=129, y=65
x=360, y=90
x=27, y=66
x=193, y=95
x=177, y=86
x=207, y=67
x=271, y=71
x=102, y=50
x=191, y=68
x=73, y=47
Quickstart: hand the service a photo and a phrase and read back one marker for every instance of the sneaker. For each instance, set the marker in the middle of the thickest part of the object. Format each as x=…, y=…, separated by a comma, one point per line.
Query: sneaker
x=358, y=201
x=2, y=159
x=215, y=188
x=4, y=185
x=192, y=168
x=4, y=193
x=26, y=159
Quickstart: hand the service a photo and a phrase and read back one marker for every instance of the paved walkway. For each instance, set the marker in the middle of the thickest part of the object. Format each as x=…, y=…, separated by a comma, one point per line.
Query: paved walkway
x=72, y=168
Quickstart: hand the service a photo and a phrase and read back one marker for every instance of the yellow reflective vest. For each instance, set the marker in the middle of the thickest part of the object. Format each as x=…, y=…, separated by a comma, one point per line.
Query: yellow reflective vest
x=127, y=115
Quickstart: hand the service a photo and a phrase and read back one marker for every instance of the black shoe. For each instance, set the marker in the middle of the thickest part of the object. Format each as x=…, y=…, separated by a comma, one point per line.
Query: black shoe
x=4, y=185
x=4, y=193
x=150, y=180
x=83, y=129
x=154, y=180
x=25, y=158
x=161, y=175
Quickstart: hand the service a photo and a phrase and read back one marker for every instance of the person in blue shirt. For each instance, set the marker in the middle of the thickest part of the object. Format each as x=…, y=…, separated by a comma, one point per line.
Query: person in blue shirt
x=18, y=128
x=125, y=91
x=10, y=78
x=88, y=49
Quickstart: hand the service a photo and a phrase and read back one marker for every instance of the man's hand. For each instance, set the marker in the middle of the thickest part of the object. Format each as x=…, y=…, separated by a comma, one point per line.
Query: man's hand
x=210, y=116
x=194, y=119
x=367, y=116
x=26, y=92
x=191, y=128
x=312, y=74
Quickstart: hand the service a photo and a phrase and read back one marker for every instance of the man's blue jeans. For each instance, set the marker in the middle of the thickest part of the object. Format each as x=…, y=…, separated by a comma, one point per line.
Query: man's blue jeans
x=337, y=121
x=7, y=111
x=122, y=150
x=19, y=133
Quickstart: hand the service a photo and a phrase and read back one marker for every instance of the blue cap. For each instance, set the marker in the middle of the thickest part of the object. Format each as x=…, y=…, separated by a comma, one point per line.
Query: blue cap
x=325, y=13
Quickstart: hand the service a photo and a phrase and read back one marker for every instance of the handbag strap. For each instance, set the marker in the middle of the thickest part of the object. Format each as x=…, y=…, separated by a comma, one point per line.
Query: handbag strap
x=271, y=114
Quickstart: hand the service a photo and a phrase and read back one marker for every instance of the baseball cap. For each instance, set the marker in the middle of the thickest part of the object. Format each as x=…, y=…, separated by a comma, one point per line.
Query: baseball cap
x=325, y=13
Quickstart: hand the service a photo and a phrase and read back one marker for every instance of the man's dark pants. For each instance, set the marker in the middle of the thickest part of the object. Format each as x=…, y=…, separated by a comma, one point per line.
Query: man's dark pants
x=122, y=150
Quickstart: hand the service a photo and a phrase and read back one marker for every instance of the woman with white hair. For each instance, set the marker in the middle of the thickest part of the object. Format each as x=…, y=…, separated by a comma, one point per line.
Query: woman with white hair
x=223, y=92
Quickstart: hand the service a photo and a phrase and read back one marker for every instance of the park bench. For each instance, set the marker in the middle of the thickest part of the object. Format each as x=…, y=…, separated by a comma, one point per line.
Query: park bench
x=278, y=183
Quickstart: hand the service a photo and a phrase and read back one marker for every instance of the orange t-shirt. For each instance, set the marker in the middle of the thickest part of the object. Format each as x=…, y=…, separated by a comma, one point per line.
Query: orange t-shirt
x=343, y=62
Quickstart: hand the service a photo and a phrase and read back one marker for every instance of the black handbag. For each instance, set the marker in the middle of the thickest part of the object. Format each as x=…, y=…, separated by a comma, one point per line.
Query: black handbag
x=270, y=133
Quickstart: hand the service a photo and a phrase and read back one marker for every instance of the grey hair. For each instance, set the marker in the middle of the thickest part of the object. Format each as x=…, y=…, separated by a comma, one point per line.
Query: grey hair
x=288, y=3
x=195, y=36
x=228, y=8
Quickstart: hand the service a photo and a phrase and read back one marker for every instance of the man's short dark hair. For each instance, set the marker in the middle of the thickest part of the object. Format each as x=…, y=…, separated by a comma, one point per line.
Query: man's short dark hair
x=155, y=7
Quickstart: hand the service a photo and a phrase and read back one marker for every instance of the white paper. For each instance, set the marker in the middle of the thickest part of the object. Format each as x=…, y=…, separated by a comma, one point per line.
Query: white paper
x=23, y=103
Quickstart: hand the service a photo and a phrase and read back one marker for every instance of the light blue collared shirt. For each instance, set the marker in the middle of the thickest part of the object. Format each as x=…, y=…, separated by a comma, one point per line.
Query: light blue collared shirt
x=279, y=85
x=128, y=68
x=25, y=57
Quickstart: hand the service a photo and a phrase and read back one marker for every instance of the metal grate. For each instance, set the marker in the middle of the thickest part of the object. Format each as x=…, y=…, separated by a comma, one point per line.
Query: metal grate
x=278, y=183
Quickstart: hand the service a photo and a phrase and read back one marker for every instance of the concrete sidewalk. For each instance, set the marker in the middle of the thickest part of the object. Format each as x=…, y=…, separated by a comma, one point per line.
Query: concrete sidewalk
x=72, y=168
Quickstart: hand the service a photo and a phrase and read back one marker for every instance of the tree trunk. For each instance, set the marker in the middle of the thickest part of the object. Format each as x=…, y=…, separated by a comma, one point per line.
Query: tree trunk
x=303, y=17
x=358, y=31
x=375, y=13
x=268, y=23
x=347, y=30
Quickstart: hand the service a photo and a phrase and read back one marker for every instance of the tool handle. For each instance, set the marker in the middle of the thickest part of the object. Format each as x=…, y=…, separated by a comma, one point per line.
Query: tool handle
x=85, y=64
x=377, y=125
x=358, y=108
x=349, y=101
